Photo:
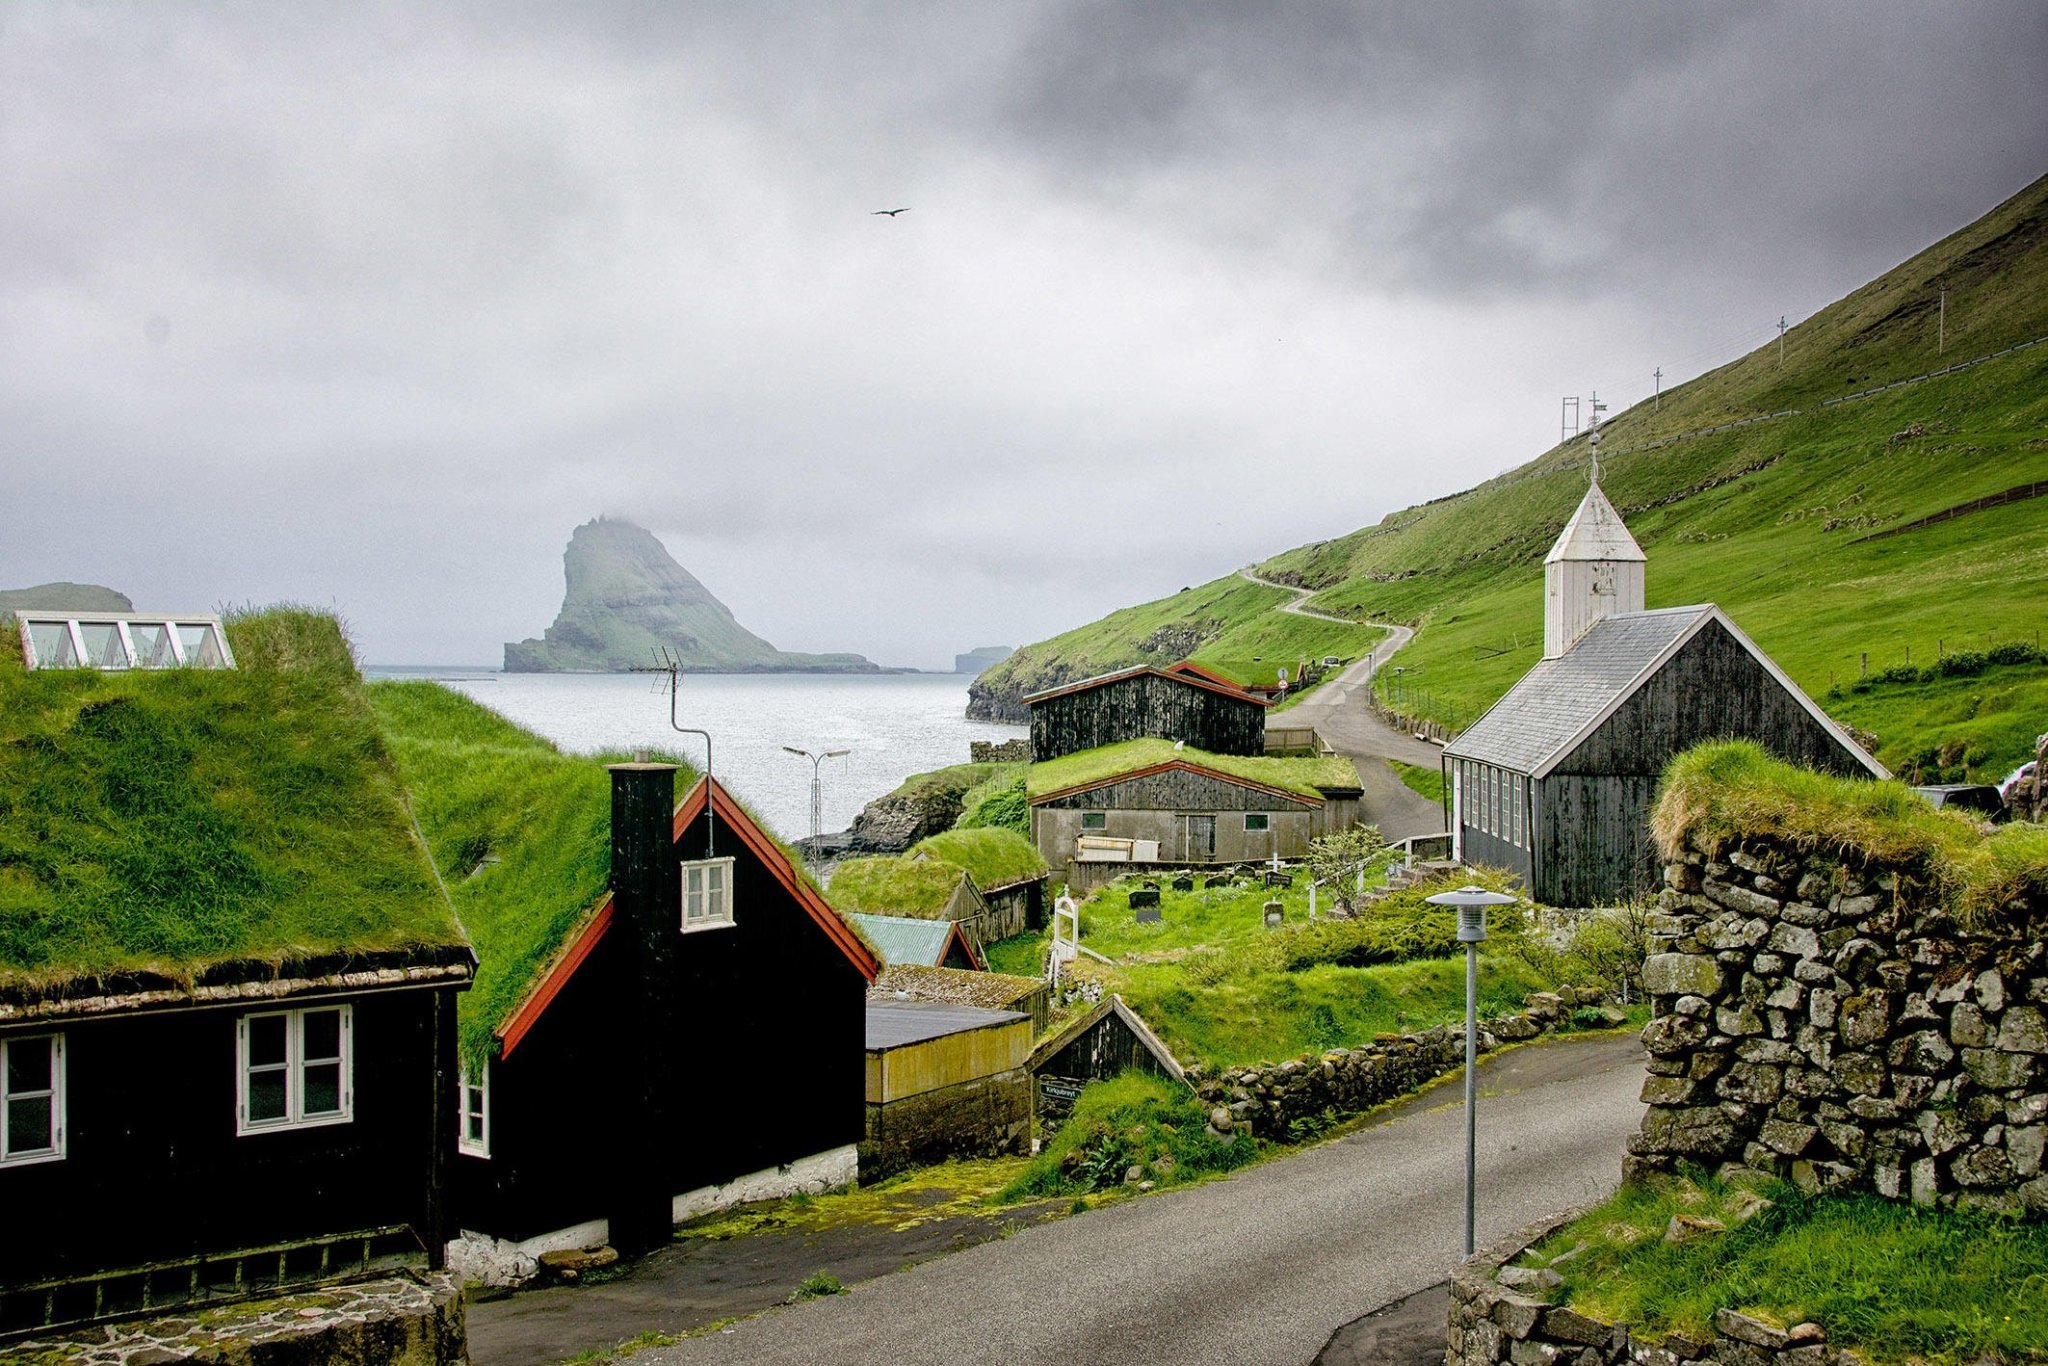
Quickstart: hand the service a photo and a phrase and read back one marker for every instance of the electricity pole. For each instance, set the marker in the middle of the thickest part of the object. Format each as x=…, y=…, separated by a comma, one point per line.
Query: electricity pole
x=1657, y=398
x=1941, y=336
x=1781, y=339
x=1568, y=420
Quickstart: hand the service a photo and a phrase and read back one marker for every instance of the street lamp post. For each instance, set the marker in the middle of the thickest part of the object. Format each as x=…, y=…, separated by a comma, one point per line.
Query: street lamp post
x=1471, y=903
x=817, y=787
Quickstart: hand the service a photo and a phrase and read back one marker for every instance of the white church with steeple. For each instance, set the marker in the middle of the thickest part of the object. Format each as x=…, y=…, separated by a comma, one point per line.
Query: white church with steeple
x=1556, y=781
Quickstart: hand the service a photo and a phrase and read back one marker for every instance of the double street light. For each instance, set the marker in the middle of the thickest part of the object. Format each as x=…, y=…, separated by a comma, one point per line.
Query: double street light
x=817, y=786
x=1471, y=903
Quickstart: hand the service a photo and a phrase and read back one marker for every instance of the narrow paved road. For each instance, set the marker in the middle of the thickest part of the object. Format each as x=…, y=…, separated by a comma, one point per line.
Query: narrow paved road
x=1339, y=712
x=1260, y=1268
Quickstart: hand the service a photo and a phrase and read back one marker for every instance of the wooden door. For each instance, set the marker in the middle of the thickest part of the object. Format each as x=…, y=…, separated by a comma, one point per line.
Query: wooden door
x=1201, y=837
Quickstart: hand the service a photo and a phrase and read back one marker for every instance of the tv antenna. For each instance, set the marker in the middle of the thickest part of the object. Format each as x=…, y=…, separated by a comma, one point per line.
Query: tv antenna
x=673, y=667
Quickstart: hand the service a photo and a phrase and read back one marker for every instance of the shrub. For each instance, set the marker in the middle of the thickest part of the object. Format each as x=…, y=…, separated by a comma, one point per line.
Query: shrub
x=1136, y=1119
x=1005, y=808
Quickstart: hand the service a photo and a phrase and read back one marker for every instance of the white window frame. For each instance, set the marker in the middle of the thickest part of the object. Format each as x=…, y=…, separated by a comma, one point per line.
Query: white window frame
x=474, y=1147
x=55, y=1152
x=73, y=624
x=714, y=917
x=295, y=1071
x=1264, y=819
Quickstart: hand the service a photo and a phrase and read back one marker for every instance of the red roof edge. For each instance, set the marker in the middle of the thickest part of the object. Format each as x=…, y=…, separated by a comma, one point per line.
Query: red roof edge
x=1186, y=767
x=732, y=817
x=580, y=946
x=980, y=963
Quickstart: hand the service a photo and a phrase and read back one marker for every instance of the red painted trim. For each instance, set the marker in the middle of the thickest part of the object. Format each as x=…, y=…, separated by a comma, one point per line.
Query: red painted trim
x=579, y=947
x=1194, y=670
x=1184, y=766
x=1173, y=674
x=732, y=818
x=966, y=944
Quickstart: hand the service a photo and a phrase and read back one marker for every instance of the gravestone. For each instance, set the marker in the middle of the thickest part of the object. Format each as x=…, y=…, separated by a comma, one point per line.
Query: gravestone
x=1275, y=913
x=1148, y=915
x=1279, y=879
x=1220, y=880
x=1183, y=884
x=1144, y=896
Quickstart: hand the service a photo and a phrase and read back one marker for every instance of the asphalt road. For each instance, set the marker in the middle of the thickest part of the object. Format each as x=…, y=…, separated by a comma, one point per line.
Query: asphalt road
x=1261, y=1268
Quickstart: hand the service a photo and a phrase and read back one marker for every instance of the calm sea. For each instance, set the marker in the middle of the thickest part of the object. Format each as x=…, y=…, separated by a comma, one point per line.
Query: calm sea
x=894, y=724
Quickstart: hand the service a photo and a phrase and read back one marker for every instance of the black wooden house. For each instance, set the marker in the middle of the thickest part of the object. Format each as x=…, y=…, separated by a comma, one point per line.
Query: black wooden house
x=228, y=981
x=1179, y=703
x=1556, y=781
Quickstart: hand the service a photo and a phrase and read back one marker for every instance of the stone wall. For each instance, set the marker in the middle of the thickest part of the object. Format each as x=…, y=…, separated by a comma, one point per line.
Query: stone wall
x=1491, y=1323
x=986, y=1117
x=1825, y=1019
x=1267, y=1097
x=989, y=752
x=412, y=1320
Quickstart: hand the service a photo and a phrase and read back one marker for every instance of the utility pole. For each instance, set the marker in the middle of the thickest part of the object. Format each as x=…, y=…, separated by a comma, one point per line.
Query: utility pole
x=1941, y=335
x=817, y=790
x=1568, y=420
x=1781, y=339
x=1657, y=398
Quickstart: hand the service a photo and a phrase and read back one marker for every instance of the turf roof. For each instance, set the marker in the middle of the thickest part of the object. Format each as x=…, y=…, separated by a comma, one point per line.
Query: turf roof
x=992, y=857
x=205, y=824
x=1091, y=766
x=901, y=886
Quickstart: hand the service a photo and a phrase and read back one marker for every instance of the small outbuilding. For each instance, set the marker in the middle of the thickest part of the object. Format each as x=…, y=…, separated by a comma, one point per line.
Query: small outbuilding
x=1184, y=702
x=944, y=1081
x=1108, y=1040
x=1555, y=782
x=900, y=939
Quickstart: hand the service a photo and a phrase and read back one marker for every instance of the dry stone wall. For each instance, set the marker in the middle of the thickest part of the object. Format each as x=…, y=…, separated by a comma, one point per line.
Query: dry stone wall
x=1268, y=1097
x=1826, y=1020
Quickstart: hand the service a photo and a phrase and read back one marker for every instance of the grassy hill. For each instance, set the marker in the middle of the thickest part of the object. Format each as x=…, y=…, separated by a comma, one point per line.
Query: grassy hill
x=1803, y=520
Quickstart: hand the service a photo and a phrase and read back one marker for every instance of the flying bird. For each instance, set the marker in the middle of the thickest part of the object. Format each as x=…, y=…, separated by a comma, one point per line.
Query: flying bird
x=878, y=213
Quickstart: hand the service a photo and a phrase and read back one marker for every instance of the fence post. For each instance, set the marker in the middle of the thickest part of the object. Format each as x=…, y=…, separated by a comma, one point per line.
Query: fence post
x=1866, y=664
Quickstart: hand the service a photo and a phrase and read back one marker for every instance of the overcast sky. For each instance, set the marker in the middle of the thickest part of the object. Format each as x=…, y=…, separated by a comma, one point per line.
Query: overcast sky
x=367, y=306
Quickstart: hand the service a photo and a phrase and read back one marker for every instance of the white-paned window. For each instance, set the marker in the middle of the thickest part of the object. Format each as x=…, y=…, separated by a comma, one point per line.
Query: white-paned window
x=123, y=640
x=1516, y=780
x=473, y=1105
x=707, y=893
x=294, y=1068
x=31, y=1099
x=1256, y=820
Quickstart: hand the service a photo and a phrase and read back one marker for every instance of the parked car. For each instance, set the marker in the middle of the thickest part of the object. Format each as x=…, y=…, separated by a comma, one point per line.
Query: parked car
x=1981, y=798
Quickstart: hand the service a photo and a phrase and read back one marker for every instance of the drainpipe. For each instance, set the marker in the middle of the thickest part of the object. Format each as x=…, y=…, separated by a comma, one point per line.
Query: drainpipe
x=647, y=904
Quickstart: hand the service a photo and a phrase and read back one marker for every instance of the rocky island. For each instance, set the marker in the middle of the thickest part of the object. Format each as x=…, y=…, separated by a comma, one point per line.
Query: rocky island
x=628, y=600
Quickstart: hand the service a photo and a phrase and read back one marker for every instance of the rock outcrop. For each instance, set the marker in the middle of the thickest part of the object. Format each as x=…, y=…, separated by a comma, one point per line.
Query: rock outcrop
x=628, y=600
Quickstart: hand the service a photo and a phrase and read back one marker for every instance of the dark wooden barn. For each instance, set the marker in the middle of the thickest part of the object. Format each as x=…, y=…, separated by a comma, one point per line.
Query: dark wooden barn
x=697, y=1040
x=1189, y=705
x=1109, y=1039
x=1555, y=783
x=228, y=982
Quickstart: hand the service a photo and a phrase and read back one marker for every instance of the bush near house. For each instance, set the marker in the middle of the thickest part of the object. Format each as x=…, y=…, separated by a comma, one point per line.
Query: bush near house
x=1134, y=1120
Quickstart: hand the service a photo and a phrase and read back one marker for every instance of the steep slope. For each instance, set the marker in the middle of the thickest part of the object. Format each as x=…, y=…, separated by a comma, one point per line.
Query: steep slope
x=628, y=600
x=1804, y=521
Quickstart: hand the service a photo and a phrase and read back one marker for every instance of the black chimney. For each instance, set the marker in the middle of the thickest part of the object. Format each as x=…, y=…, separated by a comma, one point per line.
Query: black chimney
x=647, y=904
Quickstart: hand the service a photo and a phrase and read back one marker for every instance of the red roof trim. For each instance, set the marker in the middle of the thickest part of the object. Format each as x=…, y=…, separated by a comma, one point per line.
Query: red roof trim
x=1194, y=670
x=980, y=963
x=543, y=993
x=731, y=817
x=1184, y=766
x=1202, y=681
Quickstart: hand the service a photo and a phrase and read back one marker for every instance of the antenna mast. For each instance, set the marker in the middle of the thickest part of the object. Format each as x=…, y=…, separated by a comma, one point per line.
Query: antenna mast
x=671, y=666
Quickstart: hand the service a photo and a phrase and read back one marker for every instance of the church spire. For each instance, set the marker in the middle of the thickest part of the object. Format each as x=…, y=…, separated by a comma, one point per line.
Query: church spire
x=1593, y=571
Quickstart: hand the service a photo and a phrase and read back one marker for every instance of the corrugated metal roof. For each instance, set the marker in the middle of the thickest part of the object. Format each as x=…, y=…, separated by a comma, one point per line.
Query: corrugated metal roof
x=902, y=939
x=1556, y=701
x=893, y=1024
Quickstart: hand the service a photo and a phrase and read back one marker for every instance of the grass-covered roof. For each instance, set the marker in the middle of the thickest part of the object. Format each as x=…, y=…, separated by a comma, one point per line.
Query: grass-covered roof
x=1090, y=766
x=1720, y=794
x=992, y=857
x=201, y=824
x=520, y=831
x=920, y=889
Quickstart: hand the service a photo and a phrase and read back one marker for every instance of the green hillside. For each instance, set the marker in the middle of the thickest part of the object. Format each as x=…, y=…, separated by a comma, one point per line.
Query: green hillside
x=1774, y=519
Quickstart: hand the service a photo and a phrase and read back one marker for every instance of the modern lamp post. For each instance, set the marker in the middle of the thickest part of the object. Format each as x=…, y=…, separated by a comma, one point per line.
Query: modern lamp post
x=817, y=787
x=1471, y=903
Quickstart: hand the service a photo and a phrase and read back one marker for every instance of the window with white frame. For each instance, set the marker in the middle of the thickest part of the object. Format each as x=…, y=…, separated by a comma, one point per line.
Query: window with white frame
x=1095, y=820
x=1256, y=820
x=473, y=1102
x=294, y=1068
x=123, y=640
x=31, y=1099
x=707, y=893
x=1520, y=838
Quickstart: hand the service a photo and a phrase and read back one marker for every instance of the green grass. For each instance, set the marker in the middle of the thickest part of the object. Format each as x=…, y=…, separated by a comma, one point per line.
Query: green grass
x=520, y=831
x=1953, y=724
x=1420, y=778
x=1722, y=793
x=1893, y=1281
x=992, y=857
x=1109, y=761
x=1135, y=1119
x=919, y=889
x=1021, y=955
x=1760, y=519
x=170, y=821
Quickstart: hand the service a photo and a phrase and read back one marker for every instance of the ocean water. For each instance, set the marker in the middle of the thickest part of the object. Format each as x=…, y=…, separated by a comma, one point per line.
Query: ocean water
x=893, y=724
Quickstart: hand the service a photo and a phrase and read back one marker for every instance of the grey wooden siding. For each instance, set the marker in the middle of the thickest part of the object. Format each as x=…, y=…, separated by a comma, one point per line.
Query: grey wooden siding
x=1595, y=850
x=1146, y=705
x=1494, y=852
x=1177, y=790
